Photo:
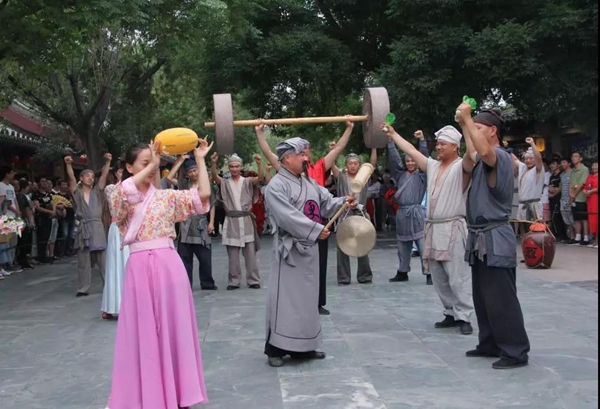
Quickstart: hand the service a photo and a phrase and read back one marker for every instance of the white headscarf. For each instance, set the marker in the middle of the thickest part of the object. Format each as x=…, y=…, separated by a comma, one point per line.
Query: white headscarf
x=449, y=134
x=236, y=159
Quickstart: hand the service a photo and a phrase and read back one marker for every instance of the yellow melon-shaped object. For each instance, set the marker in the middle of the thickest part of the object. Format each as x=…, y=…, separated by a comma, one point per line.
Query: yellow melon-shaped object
x=176, y=141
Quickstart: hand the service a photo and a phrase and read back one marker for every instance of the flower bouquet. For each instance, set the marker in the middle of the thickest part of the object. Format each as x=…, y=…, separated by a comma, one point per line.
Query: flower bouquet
x=10, y=225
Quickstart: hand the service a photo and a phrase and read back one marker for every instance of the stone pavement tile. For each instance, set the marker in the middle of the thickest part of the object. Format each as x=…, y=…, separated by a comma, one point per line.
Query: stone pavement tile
x=363, y=305
x=549, y=321
x=348, y=294
x=339, y=357
x=231, y=323
x=427, y=397
x=580, y=395
x=9, y=332
x=392, y=349
x=245, y=393
x=569, y=363
x=383, y=342
x=226, y=362
x=330, y=331
x=244, y=297
x=13, y=380
x=65, y=386
x=357, y=322
x=389, y=380
x=541, y=340
x=450, y=346
x=527, y=386
x=350, y=389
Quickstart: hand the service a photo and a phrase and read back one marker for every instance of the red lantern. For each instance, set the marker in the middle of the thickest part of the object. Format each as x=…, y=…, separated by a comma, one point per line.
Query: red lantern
x=83, y=159
x=27, y=160
x=13, y=159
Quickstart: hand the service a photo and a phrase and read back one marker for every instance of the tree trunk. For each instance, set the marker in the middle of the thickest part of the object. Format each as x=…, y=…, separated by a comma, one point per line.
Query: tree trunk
x=90, y=137
x=91, y=144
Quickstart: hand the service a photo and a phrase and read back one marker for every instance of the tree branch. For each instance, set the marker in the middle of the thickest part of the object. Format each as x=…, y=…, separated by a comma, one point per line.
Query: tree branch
x=92, y=111
x=57, y=116
x=149, y=74
x=328, y=15
x=76, y=95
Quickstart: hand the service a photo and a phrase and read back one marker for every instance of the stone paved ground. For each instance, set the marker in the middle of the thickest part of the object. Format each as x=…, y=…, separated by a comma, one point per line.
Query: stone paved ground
x=56, y=352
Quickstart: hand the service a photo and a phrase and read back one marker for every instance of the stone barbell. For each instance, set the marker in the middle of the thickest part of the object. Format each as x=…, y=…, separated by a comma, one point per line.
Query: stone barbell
x=376, y=105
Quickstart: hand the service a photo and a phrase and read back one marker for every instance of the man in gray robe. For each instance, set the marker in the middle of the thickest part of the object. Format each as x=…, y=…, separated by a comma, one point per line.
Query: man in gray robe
x=92, y=237
x=410, y=218
x=343, y=182
x=298, y=205
x=446, y=227
x=491, y=246
x=239, y=231
x=194, y=233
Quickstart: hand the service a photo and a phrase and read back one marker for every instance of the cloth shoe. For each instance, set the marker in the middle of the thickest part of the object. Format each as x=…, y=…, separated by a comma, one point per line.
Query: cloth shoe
x=508, y=363
x=400, y=278
x=449, y=322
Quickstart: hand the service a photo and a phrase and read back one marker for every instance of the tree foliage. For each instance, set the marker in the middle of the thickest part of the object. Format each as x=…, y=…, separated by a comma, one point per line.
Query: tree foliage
x=116, y=72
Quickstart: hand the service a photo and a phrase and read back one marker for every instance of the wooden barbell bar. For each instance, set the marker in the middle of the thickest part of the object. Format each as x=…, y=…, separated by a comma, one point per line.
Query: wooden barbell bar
x=376, y=106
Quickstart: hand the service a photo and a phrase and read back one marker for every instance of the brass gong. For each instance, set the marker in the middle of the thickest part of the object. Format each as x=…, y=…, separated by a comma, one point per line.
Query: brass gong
x=356, y=236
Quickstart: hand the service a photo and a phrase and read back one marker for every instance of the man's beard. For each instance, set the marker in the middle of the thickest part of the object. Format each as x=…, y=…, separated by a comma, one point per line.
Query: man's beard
x=305, y=167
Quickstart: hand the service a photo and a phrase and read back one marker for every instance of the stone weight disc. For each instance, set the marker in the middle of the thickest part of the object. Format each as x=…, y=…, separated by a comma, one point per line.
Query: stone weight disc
x=224, y=124
x=376, y=105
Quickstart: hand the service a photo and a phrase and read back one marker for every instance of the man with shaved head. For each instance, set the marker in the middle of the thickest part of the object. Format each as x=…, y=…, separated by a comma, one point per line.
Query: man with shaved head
x=344, y=181
x=410, y=219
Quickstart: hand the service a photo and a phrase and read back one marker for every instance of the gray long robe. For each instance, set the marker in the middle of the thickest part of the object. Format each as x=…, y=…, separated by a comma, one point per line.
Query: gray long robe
x=92, y=234
x=297, y=207
x=410, y=219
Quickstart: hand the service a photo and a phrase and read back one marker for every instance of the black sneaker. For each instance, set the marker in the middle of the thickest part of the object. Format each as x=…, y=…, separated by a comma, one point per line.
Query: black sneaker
x=79, y=295
x=324, y=311
x=429, y=279
x=507, y=363
x=465, y=327
x=213, y=288
x=584, y=243
x=449, y=322
x=254, y=286
x=477, y=353
x=232, y=288
x=400, y=278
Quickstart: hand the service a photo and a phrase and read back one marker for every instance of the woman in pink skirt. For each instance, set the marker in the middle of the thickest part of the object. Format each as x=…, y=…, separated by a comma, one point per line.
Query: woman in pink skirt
x=158, y=364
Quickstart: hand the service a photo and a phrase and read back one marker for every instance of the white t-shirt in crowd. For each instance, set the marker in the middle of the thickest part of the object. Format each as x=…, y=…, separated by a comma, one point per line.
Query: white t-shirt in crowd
x=545, y=194
x=8, y=191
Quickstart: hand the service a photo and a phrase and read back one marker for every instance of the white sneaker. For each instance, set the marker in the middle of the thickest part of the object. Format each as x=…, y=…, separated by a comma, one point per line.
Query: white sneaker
x=16, y=270
x=5, y=273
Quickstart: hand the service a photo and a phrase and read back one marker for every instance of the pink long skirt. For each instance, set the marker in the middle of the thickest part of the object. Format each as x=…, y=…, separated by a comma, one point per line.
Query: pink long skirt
x=158, y=363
